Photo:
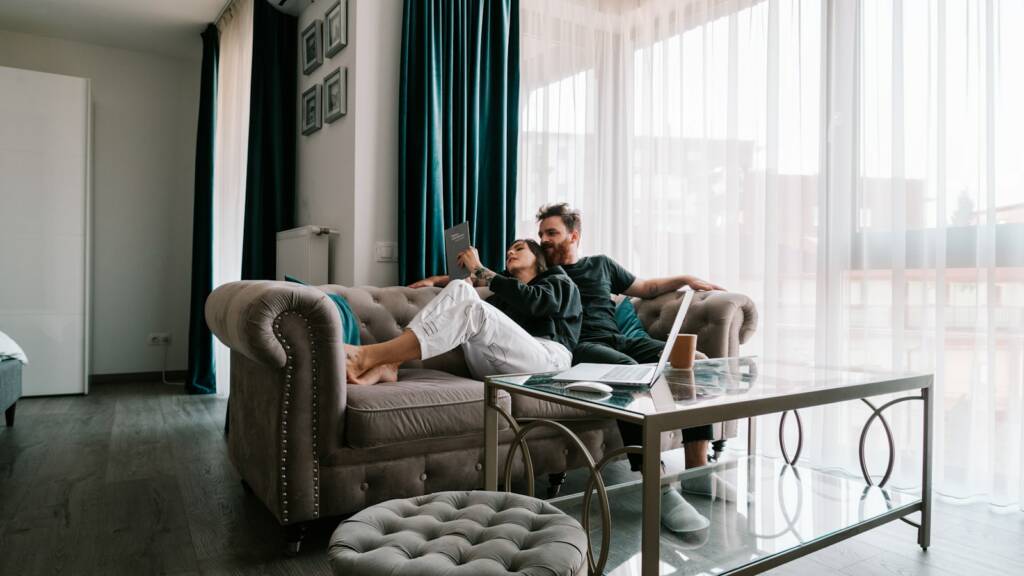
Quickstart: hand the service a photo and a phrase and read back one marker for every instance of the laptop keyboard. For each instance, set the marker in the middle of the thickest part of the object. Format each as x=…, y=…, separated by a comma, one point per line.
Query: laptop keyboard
x=627, y=372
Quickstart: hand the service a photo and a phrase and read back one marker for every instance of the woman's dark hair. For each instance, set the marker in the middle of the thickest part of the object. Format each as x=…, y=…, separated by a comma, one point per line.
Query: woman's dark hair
x=538, y=253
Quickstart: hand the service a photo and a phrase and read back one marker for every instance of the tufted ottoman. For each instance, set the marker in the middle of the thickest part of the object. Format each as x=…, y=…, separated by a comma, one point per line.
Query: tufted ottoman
x=460, y=534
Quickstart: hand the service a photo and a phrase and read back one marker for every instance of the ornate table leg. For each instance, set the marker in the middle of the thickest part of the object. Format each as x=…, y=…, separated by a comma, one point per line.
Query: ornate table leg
x=519, y=442
x=923, y=528
x=924, y=532
x=490, y=438
x=799, y=437
x=650, y=555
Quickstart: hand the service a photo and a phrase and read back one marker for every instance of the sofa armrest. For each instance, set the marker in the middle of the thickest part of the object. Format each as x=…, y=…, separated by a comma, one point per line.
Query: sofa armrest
x=288, y=388
x=721, y=320
x=242, y=314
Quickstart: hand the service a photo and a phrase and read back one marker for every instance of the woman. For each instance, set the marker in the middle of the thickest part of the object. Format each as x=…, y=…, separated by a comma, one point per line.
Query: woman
x=530, y=324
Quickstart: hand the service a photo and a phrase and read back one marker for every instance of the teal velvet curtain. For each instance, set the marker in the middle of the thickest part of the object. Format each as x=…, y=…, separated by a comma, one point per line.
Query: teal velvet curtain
x=458, y=129
x=202, y=378
x=270, y=170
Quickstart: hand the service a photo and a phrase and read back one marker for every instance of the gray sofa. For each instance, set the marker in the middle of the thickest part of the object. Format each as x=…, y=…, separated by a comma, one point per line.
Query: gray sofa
x=311, y=446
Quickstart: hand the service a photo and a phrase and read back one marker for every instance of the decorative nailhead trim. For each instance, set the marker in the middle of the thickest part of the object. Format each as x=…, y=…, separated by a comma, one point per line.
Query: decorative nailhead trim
x=283, y=488
x=316, y=421
x=289, y=371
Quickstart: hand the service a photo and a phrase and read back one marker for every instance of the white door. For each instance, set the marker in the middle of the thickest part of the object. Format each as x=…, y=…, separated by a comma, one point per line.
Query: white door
x=44, y=226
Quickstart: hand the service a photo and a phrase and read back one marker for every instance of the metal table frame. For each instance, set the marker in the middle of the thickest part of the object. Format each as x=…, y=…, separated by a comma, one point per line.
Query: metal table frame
x=654, y=424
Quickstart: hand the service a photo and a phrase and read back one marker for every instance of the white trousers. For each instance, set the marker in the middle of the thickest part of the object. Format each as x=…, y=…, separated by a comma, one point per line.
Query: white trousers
x=492, y=342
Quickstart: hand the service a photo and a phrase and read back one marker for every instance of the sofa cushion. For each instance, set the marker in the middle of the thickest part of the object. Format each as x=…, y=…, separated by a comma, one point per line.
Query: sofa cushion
x=350, y=325
x=423, y=404
x=524, y=406
x=627, y=320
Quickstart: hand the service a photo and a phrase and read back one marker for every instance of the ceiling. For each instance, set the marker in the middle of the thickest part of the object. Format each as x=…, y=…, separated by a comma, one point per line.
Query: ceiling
x=168, y=27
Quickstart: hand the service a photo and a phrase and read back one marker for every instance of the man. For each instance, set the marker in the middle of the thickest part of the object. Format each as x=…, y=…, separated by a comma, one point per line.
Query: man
x=598, y=277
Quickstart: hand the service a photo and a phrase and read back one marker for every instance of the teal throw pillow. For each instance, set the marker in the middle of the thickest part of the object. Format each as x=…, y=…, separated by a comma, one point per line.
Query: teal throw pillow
x=627, y=320
x=348, y=317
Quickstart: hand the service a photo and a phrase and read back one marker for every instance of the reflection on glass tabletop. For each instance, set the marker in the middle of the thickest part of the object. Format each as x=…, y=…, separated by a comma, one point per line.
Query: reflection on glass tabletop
x=716, y=382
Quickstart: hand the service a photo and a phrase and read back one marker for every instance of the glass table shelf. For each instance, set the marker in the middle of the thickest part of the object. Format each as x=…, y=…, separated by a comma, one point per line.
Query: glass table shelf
x=781, y=512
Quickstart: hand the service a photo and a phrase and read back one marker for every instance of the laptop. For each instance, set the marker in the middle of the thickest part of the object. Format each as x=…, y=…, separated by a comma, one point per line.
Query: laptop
x=630, y=374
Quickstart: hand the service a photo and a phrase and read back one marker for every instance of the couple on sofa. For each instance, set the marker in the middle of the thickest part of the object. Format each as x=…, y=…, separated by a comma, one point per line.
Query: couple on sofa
x=549, y=309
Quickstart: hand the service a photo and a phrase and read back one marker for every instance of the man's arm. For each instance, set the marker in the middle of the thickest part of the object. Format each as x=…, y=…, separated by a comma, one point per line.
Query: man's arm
x=440, y=281
x=653, y=287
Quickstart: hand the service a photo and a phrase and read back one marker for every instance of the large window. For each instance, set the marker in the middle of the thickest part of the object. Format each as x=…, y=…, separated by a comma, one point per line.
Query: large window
x=854, y=167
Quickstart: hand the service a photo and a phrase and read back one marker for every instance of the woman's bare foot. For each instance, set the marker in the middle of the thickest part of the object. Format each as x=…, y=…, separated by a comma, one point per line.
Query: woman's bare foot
x=355, y=364
x=371, y=376
x=389, y=373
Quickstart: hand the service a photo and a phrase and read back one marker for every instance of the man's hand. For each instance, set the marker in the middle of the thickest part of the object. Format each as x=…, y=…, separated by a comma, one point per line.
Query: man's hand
x=470, y=259
x=428, y=282
x=699, y=285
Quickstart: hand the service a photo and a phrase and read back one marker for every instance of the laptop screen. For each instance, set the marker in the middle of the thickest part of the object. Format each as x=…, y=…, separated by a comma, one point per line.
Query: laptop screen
x=676, y=325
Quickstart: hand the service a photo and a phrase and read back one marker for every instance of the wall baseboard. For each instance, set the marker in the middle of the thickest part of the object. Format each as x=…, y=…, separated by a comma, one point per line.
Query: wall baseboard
x=172, y=376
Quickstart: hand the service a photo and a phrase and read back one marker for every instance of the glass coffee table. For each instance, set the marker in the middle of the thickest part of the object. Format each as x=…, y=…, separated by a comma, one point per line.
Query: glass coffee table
x=782, y=510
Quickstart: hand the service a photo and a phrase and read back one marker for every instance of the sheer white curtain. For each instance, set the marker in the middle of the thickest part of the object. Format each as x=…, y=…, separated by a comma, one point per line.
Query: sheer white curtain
x=870, y=202
x=928, y=235
x=230, y=155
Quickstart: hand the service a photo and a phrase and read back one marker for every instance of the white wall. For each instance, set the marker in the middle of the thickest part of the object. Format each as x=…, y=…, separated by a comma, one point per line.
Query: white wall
x=348, y=170
x=145, y=110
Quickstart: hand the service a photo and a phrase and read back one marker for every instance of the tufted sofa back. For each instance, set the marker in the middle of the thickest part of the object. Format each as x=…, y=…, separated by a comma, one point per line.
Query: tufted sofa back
x=384, y=312
x=721, y=320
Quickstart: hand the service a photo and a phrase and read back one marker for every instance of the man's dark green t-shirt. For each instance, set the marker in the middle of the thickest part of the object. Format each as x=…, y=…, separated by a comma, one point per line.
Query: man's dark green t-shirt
x=598, y=277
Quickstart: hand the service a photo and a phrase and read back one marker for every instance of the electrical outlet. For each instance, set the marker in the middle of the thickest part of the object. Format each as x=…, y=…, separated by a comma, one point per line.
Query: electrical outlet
x=159, y=339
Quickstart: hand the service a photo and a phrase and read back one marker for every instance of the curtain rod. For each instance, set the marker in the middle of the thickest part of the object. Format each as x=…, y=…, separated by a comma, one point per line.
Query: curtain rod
x=223, y=9
x=228, y=4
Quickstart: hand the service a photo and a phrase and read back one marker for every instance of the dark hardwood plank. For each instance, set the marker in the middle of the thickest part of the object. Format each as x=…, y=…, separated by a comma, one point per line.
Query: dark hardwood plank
x=135, y=526
x=806, y=566
x=139, y=445
x=209, y=483
x=46, y=405
x=135, y=479
x=895, y=565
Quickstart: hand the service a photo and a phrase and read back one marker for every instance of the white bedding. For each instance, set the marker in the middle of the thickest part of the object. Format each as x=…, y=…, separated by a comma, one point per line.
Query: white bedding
x=10, y=349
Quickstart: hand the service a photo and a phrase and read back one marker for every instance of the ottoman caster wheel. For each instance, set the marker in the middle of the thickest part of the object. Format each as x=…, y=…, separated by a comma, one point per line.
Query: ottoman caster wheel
x=293, y=539
x=555, y=482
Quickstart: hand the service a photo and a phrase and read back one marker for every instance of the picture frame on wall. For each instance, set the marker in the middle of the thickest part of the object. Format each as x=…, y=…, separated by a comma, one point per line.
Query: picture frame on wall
x=312, y=46
x=311, y=110
x=336, y=28
x=335, y=95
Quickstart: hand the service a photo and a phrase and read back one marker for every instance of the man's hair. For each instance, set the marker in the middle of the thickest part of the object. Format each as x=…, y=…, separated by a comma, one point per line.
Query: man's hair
x=570, y=217
x=538, y=253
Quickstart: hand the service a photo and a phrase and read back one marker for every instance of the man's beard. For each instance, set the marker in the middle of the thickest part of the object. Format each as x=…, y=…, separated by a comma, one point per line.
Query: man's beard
x=557, y=254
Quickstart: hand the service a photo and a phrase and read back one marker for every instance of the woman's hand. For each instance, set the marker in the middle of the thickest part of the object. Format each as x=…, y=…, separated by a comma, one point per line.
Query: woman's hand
x=470, y=259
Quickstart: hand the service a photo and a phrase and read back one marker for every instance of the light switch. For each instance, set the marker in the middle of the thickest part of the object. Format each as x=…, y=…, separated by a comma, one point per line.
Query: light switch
x=386, y=251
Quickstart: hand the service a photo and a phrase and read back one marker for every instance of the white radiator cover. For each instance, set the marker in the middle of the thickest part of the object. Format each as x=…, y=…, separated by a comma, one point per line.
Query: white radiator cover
x=304, y=253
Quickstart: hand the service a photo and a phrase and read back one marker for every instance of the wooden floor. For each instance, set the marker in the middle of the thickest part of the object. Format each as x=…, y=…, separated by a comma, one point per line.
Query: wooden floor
x=134, y=479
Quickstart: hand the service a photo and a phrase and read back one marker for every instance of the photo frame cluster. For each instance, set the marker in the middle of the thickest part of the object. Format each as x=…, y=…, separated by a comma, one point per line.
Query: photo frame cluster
x=328, y=101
